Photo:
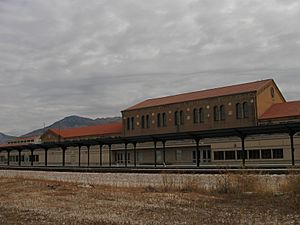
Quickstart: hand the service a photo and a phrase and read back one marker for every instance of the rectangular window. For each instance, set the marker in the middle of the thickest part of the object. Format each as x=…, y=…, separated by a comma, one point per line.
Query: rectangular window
x=158, y=155
x=194, y=156
x=278, y=153
x=219, y=155
x=121, y=157
x=254, y=154
x=116, y=157
x=230, y=155
x=178, y=155
x=208, y=155
x=128, y=157
x=266, y=154
x=140, y=156
x=239, y=154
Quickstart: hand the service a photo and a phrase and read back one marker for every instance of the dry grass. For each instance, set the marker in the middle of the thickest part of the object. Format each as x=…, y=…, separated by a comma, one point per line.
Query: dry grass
x=292, y=183
x=178, y=184
x=29, y=201
x=226, y=183
x=239, y=184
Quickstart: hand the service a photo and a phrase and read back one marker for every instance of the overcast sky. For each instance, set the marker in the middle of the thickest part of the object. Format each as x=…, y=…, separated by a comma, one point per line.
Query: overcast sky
x=94, y=58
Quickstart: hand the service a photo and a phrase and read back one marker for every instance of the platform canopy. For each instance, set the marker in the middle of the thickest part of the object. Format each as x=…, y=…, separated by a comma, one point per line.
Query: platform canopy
x=284, y=128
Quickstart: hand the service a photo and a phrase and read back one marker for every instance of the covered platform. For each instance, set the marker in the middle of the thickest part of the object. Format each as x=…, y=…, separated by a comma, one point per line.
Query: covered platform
x=283, y=128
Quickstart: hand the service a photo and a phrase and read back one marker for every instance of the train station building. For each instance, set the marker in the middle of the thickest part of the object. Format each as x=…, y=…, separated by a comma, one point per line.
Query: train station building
x=182, y=130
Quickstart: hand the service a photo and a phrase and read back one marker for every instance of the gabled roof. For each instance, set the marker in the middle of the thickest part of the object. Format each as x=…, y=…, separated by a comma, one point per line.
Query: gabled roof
x=96, y=130
x=198, y=95
x=282, y=110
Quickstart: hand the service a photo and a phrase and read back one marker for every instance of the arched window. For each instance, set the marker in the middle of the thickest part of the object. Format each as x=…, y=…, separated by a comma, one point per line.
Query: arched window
x=216, y=113
x=181, y=118
x=158, y=120
x=222, y=112
x=201, y=115
x=272, y=92
x=143, y=122
x=246, y=110
x=164, y=120
x=128, y=123
x=147, y=121
x=196, y=119
x=238, y=111
x=176, y=118
x=132, y=123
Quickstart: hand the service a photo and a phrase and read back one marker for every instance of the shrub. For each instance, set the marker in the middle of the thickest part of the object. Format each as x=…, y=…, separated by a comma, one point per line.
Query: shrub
x=237, y=184
x=292, y=184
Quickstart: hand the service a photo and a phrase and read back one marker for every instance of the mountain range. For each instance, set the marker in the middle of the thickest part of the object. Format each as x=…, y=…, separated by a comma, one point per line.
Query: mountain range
x=5, y=138
x=67, y=122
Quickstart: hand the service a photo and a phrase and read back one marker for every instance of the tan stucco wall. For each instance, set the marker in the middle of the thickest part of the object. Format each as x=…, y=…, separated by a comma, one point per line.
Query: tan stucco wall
x=265, y=100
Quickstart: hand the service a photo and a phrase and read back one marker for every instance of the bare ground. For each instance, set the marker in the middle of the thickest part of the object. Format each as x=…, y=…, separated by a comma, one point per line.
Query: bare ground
x=39, y=202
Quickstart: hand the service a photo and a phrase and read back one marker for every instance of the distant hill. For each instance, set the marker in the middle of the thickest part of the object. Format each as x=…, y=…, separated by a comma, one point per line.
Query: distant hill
x=72, y=122
x=5, y=138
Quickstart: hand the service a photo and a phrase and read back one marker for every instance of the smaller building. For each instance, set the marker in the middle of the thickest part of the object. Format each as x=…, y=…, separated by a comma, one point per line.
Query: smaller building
x=282, y=113
x=87, y=132
x=25, y=140
x=25, y=156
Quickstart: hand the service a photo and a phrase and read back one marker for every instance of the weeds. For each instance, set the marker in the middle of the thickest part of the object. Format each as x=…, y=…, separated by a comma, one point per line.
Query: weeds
x=238, y=184
x=226, y=183
x=292, y=184
x=181, y=184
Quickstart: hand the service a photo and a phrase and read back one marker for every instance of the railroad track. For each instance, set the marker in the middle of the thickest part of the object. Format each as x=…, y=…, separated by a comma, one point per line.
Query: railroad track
x=266, y=169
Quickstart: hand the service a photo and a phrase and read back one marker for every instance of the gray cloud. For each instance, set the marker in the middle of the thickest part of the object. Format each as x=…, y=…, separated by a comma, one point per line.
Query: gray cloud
x=65, y=57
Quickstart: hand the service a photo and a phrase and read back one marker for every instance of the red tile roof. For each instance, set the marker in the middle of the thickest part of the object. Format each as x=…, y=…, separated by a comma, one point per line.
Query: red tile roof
x=198, y=95
x=282, y=110
x=97, y=130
